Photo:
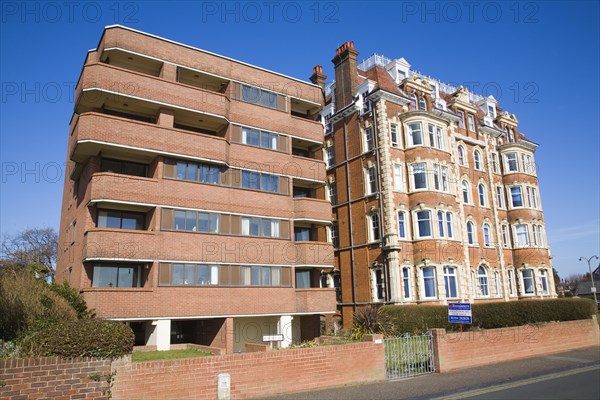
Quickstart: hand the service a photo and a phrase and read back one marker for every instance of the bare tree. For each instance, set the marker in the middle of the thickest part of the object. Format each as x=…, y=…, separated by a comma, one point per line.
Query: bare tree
x=35, y=248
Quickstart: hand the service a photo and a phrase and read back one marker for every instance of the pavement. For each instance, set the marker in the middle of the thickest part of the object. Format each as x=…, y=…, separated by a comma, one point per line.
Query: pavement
x=454, y=384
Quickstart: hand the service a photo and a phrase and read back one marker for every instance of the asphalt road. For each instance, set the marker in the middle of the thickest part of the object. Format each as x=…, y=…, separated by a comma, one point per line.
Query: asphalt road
x=570, y=375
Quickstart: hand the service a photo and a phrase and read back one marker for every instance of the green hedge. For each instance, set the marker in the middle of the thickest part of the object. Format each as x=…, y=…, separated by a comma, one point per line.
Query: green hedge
x=420, y=318
x=83, y=338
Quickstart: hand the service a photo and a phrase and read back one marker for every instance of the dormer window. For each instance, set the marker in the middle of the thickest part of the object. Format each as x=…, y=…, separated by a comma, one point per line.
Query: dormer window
x=366, y=102
x=491, y=111
x=461, y=119
x=422, y=103
x=471, y=123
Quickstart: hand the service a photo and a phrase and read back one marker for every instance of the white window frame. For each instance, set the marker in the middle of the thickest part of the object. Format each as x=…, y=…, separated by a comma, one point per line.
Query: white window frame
x=406, y=283
x=417, y=226
x=413, y=176
x=500, y=196
x=410, y=131
x=497, y=283
x=471, y=122
x=461, y=119
x=472, y=237
x=482, y=195
x=374, y=225
x=512, y=204
x=495, y=163
x=394, y=132
x=404, y=222
x=461, y=155
x=368, y=145
x=544, y=281
x=467, y=192
x=447, y=275
x=481, y=278
x=511, y=282
x=524, y=291
x=519, y=235
x=505, y=236
x=508, y=161
x=487, y=235
x=370, y=180
x=398, y=178
x=477, y=160
x=434, y=278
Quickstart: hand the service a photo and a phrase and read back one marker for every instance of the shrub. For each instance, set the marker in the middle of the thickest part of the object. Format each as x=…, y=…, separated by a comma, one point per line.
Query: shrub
x=73, y=297
x=26, y=301
x=83, y=338
x=371, y=319
x=418, y=319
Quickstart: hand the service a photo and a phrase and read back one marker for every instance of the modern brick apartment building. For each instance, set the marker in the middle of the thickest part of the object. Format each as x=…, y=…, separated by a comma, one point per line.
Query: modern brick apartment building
x=195, y=205
x=434, y=191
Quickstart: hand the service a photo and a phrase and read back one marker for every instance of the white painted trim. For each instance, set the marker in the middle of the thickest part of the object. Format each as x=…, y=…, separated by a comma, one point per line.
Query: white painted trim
x=220, y=316
x=271, y=131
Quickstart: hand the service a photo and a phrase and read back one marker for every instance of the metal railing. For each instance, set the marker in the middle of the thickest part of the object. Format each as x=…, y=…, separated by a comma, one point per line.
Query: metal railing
x=409, y=355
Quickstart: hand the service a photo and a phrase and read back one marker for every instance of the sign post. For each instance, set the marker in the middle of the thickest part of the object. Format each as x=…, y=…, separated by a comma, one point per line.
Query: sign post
x=460, y=313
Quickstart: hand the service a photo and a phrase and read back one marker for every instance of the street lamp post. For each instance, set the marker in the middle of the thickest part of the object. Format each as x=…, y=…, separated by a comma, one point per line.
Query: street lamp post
x=589, y=260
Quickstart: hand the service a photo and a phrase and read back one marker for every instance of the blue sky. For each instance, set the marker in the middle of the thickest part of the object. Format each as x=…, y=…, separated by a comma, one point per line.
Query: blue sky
x=539, y=59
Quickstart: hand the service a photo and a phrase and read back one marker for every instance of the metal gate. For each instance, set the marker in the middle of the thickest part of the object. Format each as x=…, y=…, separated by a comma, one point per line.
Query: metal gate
x=409, y=355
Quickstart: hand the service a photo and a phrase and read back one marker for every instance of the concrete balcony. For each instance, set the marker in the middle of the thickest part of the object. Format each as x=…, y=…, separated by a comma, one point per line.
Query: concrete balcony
x=112, y=244
x=95, y=131
x=315, y=300
x=101, y=83
x=314, y=210
x=312, y=254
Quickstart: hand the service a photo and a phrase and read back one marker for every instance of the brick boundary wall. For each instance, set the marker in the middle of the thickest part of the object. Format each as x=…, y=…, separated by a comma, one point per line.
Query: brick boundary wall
x=252, y=374
x=54, y=378
x=454, y=351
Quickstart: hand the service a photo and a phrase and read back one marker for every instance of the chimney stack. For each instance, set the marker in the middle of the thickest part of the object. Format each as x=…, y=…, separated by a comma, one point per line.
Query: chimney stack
x=346, y=74
x=318, y=77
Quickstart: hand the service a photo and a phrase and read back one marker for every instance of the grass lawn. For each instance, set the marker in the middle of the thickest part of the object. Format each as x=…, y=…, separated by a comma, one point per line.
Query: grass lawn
x=166, y=355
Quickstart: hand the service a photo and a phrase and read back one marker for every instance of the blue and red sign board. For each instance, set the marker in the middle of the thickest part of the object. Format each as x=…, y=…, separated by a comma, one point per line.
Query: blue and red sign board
x=460, y=313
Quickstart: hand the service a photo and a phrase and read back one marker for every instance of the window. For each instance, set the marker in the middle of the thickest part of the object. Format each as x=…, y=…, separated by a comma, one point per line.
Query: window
x=332, y=192
x=415, y=134
x=511, y=134
x=511, y=162
x=497, y=283
x=495, y=163
x=419, y=176
x=436, y=176
x=424, y=223
x=450, y=282
x=333, y=234
x=500, y=196
x=371, y=181
x=374, y=233
x=491, y=110
x=522, y=234
x=191, y=171
x=429, y=282
x=482, y=277
x=255, y=95
x=431, y=129
x=440, y=138
x=413, y=102
x=441, y=223
x=544, y=281
x=123, y=167
x=330, y=156
x=121, y=219
x=422, y=103
x=461, y=155
x=260, y=181
x=535, y=235
x=477, y=160
x=265, y=227
x=366, y=102
x=540, y=237
x=378, y=285
x=115, y=276
x=461, y=119
x=449, y=224
x=301, y=234
x=258, y=138
x=368, y=137
x=528, y=282
x=394, y=135
x=470, y=233
x=487, y=240
x=516, y=196
x=402, y=224
x=534, y=197
x=195, y=221
x=406, y=282
x=511, y=282
x=302, y=279
x=528, y=165
x=465, y=191
x=398, y=178
x=481, y=191
x=471, y=123
x=505, y=236
x=445, y=182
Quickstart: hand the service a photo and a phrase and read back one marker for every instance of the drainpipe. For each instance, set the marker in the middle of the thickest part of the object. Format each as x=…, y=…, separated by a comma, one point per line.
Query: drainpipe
x=347, y=165
x=380, y=197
